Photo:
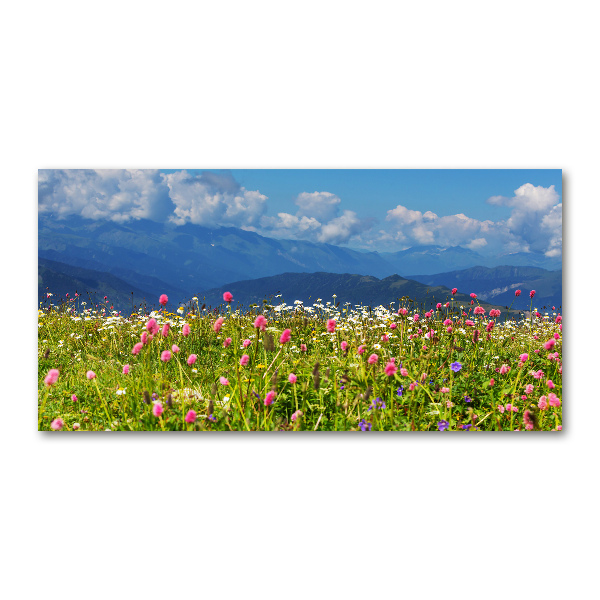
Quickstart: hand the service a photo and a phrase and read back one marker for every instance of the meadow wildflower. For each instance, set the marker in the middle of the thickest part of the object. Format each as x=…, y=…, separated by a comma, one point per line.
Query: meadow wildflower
x=454, y=290
x=218, y=324
x=553, y=400
x=297, y=415
x=494, y=312
x=269, y=398
x=227, y=342
x=157, y=409
x=74, y=398
x=126, y=369
x=76, y=426
x=373, y=359
x=285, y=336
x=246, y=343
x=244, y=360
x=57, y=424
x=165, y=355
x=390, y=369
x=443, y=425
x=529, y=388
x=163, y=299
x=292, y=378
x=532, y=293
x=365, y=425
x=331, y=325
x=260, y=323
x=504, y=369
x=456, y=367
x=90, y=375
x=361, y=349
x=52, y=377
x=227, y=297
x=185, y=330
x=303, y=347
x=543, y=403
x=403, y=372
x=190, y=417
x=517, y=293
x=223, y=380
x=165, y=329
x=192, y=358
x=523, y=357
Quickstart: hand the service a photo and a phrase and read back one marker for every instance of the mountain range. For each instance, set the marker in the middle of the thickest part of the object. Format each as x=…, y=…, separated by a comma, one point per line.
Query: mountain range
x=498, y=285
x=150, y=259
x=336, y=289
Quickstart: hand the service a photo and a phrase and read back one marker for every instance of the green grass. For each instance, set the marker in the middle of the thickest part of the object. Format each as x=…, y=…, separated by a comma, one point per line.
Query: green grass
x=336, y=390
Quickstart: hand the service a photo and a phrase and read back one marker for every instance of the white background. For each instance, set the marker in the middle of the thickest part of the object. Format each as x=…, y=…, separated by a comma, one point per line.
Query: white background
x=311, y=84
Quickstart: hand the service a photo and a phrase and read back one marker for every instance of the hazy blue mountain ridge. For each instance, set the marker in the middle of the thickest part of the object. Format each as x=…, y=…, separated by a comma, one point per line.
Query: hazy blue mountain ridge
x=189, y=260
x=60, y=279
x=498, y=284
x=352, y=288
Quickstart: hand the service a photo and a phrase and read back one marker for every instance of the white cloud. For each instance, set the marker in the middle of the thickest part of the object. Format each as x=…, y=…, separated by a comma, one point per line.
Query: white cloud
x=535, y=224
x=317, y=220
x=209, y=201
x=216, y=199
x=477, y=244
x=118, y=195
x=286, y=225
x=342, y=228
x=322, y=206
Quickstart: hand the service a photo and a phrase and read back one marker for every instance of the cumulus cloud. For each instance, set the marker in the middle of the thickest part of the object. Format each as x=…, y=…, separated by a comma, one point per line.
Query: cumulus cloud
x=117, y=195
x=211, y=201
x=342, y=228
x=217, y=199
x=287, y=225
x=417, y=228
x=208, y=199
x=322, y=206
x=535, y=224
x=317, y=220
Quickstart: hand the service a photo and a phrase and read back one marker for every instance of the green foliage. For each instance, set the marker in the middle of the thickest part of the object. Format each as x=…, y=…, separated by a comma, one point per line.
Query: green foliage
x=337, y=389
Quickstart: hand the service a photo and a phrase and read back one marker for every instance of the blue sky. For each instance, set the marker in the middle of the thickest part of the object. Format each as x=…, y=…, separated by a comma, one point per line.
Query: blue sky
x=443, y=191
x=493, y=212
